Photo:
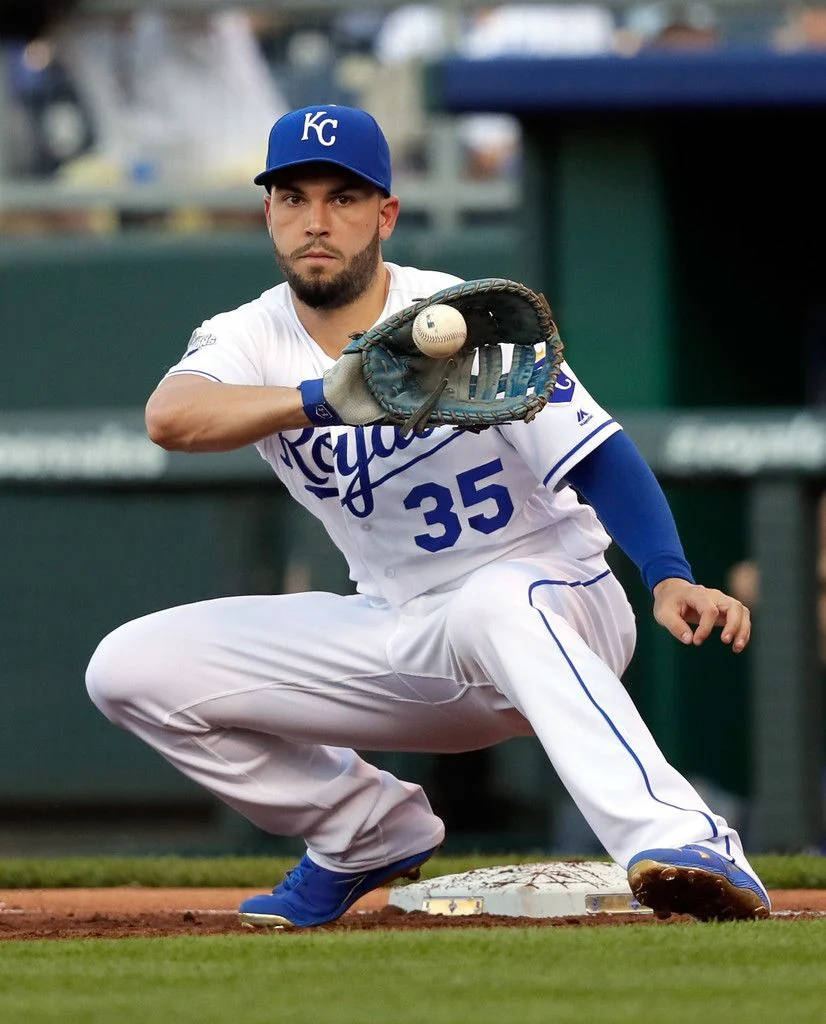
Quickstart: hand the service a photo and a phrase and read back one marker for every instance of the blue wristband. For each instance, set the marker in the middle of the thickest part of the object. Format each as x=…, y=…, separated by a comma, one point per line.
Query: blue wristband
x=315, y=408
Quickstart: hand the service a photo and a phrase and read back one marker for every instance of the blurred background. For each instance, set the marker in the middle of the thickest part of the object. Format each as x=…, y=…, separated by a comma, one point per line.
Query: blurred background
x=656, y=169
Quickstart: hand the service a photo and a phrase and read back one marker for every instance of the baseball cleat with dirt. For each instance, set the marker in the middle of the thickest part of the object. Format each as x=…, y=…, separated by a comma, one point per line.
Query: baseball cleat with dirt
x=696, y=881
x=312, y=895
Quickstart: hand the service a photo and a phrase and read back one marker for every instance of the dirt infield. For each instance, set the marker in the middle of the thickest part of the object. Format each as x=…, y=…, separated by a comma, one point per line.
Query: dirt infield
x=137, y=912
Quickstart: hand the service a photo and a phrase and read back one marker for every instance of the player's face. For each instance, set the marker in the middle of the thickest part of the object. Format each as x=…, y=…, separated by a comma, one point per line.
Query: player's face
x=326, y=229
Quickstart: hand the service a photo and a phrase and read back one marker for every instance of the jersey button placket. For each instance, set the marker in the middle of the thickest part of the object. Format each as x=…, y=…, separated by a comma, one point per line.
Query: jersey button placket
x=355, y=528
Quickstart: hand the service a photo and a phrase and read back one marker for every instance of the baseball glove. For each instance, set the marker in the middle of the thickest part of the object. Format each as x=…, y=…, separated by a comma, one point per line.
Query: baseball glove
x=416, y=392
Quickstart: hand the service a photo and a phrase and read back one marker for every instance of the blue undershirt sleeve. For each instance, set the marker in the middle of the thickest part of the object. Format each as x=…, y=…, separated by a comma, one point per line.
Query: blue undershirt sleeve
x=618, y=484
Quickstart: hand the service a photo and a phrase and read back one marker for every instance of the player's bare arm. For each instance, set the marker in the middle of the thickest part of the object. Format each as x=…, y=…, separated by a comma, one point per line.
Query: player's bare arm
x=679, y=604
x=326, y=230
x=188, y=413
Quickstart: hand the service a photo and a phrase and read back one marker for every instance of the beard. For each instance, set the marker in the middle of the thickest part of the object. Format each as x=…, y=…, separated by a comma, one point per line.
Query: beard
x=333, y=293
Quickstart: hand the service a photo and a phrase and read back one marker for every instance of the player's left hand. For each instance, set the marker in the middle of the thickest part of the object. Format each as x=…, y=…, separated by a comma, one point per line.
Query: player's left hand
x=679, y=604
x=346, y=392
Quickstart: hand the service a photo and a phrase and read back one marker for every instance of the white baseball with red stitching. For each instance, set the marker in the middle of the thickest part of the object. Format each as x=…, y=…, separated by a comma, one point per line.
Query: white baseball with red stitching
x=439, y=331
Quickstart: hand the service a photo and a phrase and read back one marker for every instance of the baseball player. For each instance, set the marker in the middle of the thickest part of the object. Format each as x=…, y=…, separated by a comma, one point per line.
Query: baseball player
x=484, y=606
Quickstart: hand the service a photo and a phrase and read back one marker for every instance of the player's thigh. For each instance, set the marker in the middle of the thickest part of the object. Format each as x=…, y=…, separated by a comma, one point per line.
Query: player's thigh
x=507, y=597
x=308, y=668
x=184, y=656
x=433, y=704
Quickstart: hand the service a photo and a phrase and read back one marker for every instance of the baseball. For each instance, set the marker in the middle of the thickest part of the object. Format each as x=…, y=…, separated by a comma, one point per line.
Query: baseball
x=439, y=331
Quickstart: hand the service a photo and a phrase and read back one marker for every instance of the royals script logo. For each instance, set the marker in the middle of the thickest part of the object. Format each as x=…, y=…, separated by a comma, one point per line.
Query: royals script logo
x=368, y=456
x=363, y=456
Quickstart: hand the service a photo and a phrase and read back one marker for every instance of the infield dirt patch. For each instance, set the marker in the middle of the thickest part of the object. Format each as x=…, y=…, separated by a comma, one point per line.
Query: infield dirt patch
x=137, y=912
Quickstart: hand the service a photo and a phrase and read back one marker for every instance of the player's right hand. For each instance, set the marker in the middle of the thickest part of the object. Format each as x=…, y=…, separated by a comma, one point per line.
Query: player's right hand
x=679, y=604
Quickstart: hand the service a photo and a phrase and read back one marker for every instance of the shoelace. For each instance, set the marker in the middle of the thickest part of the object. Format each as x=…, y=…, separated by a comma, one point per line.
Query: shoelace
x=295, y=877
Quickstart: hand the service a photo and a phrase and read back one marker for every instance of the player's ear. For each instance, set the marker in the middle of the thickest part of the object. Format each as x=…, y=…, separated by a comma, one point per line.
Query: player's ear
x=267, y=206
x=388, y=215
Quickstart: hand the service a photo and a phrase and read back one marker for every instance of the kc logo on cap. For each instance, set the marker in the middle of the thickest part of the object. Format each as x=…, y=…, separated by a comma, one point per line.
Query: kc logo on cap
x=312, y=121
x=345, y=137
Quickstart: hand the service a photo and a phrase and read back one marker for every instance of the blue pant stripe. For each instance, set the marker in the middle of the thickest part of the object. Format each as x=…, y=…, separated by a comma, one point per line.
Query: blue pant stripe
x=614, y=729
x=566, y=583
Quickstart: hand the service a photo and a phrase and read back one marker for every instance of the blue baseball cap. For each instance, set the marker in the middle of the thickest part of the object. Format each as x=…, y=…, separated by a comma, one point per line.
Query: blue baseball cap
x=342, y=136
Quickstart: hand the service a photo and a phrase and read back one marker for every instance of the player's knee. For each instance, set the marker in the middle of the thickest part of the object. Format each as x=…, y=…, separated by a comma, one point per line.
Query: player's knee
x=113, y=676
x=104, y=678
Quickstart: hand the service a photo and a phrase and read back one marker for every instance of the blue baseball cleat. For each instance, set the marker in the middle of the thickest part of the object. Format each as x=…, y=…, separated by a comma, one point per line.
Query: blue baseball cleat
x=694, y=880
x=312, y=895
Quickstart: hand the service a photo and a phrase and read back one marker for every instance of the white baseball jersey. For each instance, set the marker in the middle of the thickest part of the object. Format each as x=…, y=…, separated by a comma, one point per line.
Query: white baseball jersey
x=412, y=514
x=486, y=611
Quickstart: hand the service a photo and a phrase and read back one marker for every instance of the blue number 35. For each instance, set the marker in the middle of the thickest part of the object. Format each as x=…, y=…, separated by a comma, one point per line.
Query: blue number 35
x=442, y=513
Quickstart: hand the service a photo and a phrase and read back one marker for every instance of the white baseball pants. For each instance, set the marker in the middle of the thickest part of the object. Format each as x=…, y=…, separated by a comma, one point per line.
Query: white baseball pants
x=260, y=700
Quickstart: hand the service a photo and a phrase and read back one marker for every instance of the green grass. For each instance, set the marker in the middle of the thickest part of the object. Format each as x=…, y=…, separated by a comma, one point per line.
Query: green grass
x=742, y=972
x=796, y=872
x=73, y=872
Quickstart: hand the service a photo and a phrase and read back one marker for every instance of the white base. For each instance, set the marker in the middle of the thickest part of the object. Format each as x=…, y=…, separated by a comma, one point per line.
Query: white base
x=561, y=889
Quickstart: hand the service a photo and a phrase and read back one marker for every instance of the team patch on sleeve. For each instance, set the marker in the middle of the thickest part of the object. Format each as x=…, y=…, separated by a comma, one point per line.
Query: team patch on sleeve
x=564, y=389
x=199, y=339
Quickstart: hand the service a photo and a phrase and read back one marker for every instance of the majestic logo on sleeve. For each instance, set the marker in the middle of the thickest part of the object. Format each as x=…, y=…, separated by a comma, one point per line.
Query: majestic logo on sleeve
x=199, y=339
x=318, y=126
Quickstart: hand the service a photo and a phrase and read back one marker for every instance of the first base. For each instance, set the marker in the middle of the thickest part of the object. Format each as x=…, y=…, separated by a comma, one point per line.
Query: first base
x=559, y=889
